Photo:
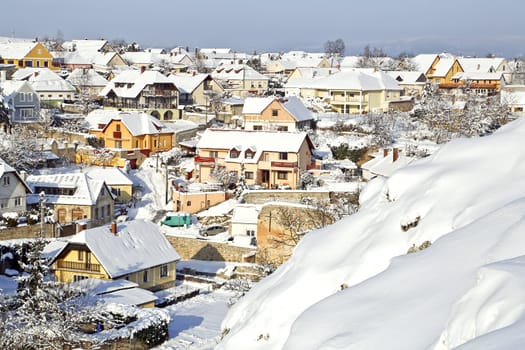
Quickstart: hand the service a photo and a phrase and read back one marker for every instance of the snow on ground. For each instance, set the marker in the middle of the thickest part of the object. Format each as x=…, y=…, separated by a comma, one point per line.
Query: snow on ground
x=352, y=285
x=195, y=323
x=7, y=285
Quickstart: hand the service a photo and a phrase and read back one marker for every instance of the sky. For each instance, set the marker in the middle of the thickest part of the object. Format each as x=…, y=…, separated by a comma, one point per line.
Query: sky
x=469, y=27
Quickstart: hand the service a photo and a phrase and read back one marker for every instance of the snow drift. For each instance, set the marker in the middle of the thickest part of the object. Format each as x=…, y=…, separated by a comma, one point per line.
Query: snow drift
x=352, y=285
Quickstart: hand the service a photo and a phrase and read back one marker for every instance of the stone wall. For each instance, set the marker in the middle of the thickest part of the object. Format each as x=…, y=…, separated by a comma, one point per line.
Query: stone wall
x=261, y=197
x=198, y=249
x=29, y=231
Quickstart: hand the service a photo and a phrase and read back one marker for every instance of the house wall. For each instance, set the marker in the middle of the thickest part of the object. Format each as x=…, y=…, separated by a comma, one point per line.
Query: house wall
x=82, y=268
x=26, y=105
x=269, y=122
x=124, y=192
x=37, y=57
x=199, y=97
x=154, y=280
x=194, y=202
x=12, y=194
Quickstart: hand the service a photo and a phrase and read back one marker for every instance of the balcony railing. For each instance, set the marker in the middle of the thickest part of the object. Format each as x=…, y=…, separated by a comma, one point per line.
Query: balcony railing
x=284, y=164
x=79, y=266
x=205, y=160
x=117, y=134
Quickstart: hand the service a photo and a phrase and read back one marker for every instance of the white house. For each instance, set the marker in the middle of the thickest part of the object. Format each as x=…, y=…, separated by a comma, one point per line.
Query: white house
x=244, y=223
x=13, y=189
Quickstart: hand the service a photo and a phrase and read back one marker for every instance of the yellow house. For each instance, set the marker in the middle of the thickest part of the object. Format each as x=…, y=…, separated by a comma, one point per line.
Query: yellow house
x=136, y=251
x=439, y=69
x=271, y=159
x=73, y=196
x=281, y=114
x=26, y=54
x=130, y=130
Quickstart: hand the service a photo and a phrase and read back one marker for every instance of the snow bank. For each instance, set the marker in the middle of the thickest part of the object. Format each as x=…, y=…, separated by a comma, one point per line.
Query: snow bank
x=469, y=200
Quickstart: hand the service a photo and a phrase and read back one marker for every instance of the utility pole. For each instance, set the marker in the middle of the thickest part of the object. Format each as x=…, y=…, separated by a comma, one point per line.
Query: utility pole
x=42, y=213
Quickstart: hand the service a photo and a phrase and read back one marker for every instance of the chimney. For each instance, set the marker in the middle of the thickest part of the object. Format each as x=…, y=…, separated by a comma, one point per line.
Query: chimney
x=23, y=174
x=385, y=152
x=114, y=227
x=142, y=69
x=395, y=154
x=193, y=73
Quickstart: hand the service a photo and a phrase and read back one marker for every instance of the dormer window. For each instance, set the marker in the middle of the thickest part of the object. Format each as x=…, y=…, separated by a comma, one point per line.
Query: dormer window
x=248, y=154
x=234, y=153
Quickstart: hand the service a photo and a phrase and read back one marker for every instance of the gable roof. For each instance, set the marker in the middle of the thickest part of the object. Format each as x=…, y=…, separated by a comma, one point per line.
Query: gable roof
x=137, y=245
x=187, y=82
x=423, y=62
x=6, y=168
x=138, y=80
x=408, y=77
x=237, y=72
x=261, y=141
x=16, y=50
x=256, y=105
x=43, y=79
x=87, y=77
x=112, y=176
x=296, y=108
x=138, y=123
x=443, y=66
x=480, y=64
x=356, y=80
x=86, y=189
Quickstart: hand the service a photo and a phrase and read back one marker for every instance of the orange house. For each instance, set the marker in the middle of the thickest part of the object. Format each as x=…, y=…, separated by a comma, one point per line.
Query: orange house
x=130, y=131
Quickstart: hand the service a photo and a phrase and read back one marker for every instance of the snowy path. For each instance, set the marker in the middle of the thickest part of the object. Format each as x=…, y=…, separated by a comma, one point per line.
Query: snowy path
x=196, y=323
x=153, y=191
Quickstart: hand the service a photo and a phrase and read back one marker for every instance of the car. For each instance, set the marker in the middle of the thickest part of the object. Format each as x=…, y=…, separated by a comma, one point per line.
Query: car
x=177, y=220
x=212, y=230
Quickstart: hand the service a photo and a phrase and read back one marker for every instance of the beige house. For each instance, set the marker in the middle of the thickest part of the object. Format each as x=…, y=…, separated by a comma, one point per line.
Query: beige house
x=281, y=114
x=196, y=89
x=241, y=79
x=271, y=159
x=195, y=201
x=73, y=196
x=352, y=91
x=120, y=184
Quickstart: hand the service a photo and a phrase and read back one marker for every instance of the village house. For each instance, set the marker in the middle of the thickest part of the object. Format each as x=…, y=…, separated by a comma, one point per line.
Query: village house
x=73, y=197
x=196, y=89
x=254, y=157
x=135, y=251
x=241, y=80
x=197, y=197
x=13, y=190
x=50, y=87
x=412, y=82
x=25, y=53
x=439, y=69
x=21, y=100
x=285, y=66
x=281, y=114
x=354, y=91
x=144, y=90
x=87, y=82
x=119, y=182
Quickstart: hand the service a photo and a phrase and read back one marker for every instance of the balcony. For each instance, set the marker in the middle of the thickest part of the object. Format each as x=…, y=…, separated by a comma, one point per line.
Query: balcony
x=78, y=266
x=286, y=165
x=117, y=134
x=204, y=160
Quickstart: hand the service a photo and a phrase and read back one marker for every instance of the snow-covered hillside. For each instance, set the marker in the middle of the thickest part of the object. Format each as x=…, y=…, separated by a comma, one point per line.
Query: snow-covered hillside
x=352, y=285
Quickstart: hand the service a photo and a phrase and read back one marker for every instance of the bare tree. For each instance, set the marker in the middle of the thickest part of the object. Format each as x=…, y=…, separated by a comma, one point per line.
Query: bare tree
x=335, y=48
x=372, y=57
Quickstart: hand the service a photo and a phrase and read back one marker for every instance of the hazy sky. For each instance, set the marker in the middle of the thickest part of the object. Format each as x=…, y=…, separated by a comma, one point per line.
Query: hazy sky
x=474, y=27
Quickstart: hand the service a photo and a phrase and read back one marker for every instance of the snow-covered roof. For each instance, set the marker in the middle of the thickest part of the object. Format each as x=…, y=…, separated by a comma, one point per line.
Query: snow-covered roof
x=85, y=45
x=443, y=66
x=478, y=76
x=5, y=168
x=237, y=72
x=44, y=79
x=262, y=141
x=480, y=64
x=245, y=214
x=134, y=82
x=86, y=189
x=296, y=108
x=385, y=165
x=16, y=50
x=187, y=82
x=423, y=62
x=112, y=176
x=136, y=246
x=10, y=88
x=356, y=80
x=88, y=77
x=256, y=105
x=137, y=122
x=118, y=291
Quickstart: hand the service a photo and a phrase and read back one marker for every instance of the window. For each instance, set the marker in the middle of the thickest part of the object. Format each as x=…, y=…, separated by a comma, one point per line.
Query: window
x=234, y=153
x=145, y=276
x=5, y=180
x=22, y=96
x=266, y=157
x=96, y=213
x=188, y=203
x=283, y=156
x=257, y=127
x=118, y=144
x=164, y=270
x=26, y=113
x=214, y=154
x=248, y=175
x=77, y=278
x=108, y=209
x=29, y=97
x=3, y=204
x=282, y=175
x=275, y=112
x=117, y=127
x=250, y=233
x=29, y=63
x=282, y=128
x=80, y=255
x=248, y=154
x=18, y=201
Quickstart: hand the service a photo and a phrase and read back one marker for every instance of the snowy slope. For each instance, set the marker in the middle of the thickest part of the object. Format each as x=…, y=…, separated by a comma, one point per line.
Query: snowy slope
x=468, y=199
